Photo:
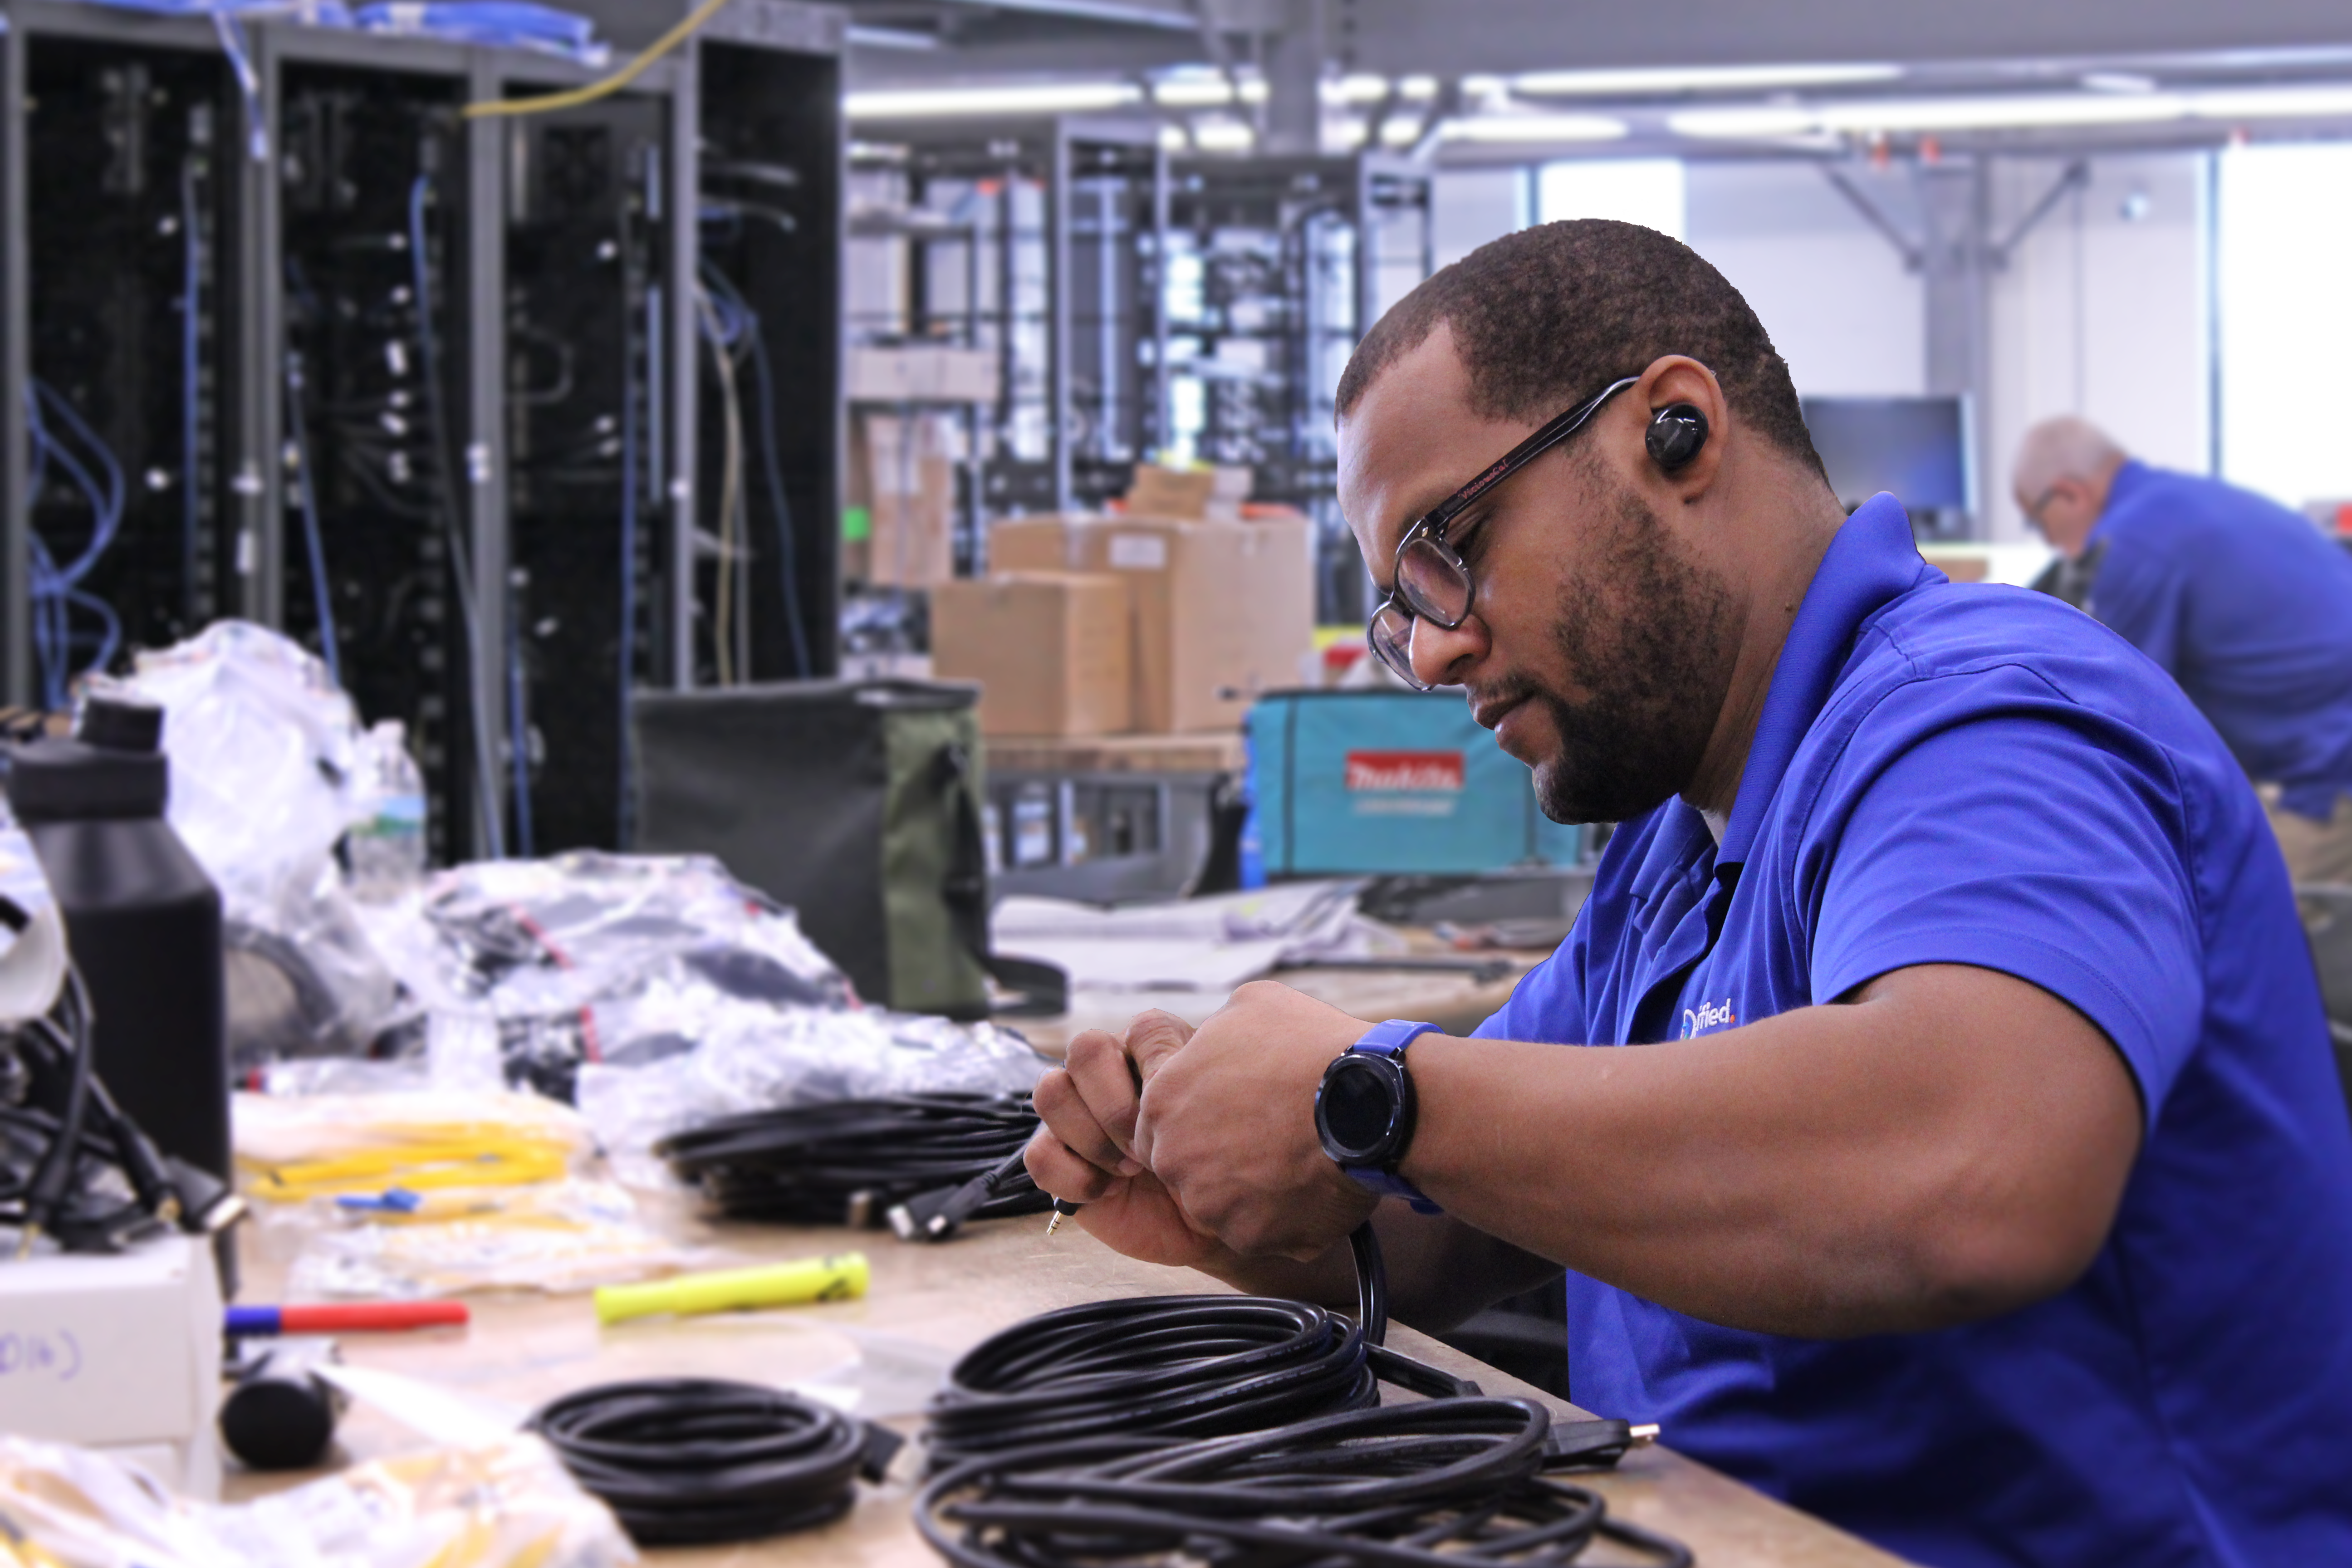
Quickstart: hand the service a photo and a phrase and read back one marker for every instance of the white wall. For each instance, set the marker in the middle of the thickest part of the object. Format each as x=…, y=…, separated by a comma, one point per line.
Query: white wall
x=1830, y=290
x=2102, y=312
x=1467, y=207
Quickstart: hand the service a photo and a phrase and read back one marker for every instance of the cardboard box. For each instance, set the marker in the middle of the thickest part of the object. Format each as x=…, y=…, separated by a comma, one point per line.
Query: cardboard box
x=1052, y=650
x=1211, y=493
x=921, y=373
x=119, y=1352
x=903, y=472
x=1223, y=611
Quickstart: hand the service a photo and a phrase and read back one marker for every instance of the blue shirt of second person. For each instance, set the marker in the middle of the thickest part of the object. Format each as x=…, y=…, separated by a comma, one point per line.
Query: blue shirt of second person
x=2248, y=607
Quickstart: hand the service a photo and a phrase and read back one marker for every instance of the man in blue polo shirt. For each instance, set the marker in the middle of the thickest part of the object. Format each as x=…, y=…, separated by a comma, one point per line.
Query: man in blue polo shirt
x=2242, y=601
x=1981, y=1182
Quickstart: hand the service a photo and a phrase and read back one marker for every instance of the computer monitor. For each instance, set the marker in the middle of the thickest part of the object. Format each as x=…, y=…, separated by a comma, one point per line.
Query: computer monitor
x=1914, y=446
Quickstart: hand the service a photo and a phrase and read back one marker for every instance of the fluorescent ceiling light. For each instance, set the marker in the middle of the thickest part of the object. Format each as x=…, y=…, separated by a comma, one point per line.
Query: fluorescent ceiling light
x=867, y=37
x=1991, y=112
x=2118, y=81
x=1399, y=132
x=1204, y=92
x=1358, y=88
x=2272, y=103
x=1045, y=97
x=1491, y=128
x=1417, y=89
x=1222, y=136
x=1697, y=79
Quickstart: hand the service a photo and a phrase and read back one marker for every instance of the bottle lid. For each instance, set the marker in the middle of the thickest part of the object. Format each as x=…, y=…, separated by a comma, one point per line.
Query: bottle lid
x=117, y=724
x=112, y=768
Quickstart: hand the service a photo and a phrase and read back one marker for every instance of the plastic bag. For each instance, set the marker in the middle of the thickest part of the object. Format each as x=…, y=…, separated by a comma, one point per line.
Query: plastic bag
x=508, y=1504
x=533, y=967
x=264, y=750
x=294, y=1149
x=761, y=1061
x=556, y=1238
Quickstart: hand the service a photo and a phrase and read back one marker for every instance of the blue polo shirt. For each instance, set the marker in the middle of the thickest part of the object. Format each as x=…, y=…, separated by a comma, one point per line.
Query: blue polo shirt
x=2248, y=607
x=1983, y=775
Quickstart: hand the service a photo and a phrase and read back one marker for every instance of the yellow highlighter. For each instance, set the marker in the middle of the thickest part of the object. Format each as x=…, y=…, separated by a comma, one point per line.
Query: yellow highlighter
x=836, y=1276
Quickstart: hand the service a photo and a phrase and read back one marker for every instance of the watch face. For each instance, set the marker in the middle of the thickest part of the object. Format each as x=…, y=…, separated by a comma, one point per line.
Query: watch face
x=1359, y=1107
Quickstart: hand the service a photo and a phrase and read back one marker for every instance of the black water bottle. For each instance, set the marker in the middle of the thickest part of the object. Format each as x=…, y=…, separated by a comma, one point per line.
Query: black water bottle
x=142, y=921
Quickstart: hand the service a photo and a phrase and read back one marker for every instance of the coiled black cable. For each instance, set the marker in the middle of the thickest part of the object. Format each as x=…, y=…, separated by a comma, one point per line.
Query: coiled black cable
x=1176, y=1366
x=851, y=1161
x=1438, y=1484
x=1192, y=1366
x=697, y=1461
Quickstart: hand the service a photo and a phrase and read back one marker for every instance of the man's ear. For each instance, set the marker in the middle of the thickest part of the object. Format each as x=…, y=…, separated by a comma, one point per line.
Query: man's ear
x=1677, y=382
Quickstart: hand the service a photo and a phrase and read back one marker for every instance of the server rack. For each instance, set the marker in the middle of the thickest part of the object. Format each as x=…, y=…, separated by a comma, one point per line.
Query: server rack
x=434, y=413
x=121, y=199
x=1038, y=239
x=1276, y=266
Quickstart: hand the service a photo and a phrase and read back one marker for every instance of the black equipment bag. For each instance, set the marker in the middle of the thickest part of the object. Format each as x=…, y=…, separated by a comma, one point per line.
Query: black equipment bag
x=856, y=803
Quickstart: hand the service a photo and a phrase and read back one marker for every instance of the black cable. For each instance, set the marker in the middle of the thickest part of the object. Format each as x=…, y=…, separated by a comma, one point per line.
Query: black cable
x=72, y=1164
x=697, y=1461
x=1181, y=1366
x=849, y=1162
x=1437, y=1484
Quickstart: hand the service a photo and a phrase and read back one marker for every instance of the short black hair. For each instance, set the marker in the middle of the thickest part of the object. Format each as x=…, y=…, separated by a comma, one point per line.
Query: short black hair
x=1554, y=314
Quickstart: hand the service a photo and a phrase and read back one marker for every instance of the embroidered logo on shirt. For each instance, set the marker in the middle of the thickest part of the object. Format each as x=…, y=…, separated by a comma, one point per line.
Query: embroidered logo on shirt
x=1707, y=1016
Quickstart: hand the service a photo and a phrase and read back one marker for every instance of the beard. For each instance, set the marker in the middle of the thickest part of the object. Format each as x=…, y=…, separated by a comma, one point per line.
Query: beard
x=1646, y=633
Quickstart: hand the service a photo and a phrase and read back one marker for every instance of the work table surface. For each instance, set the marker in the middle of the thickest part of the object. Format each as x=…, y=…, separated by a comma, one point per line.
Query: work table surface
x=927, y=1304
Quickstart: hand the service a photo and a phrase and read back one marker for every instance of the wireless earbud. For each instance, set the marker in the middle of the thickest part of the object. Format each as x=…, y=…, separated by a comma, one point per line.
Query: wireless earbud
x=1676, y=432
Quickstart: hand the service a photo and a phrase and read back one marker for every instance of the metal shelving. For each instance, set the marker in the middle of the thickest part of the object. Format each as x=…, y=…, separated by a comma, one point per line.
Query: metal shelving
x=440, y=386
x=1275, y=267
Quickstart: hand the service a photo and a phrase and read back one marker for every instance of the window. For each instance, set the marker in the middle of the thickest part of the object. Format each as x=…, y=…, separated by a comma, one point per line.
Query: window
x=1647, y=191
x=2283, y=239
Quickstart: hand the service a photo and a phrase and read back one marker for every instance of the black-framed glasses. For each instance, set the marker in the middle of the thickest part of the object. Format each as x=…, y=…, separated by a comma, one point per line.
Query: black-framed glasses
x=1429, y=580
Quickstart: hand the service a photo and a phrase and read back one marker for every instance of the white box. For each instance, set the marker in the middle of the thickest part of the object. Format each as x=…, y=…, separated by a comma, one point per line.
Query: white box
x=121, y=1353
x=921, y=373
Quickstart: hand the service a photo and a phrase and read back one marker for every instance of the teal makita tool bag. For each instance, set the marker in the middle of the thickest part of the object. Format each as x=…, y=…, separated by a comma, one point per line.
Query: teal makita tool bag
x=1382, y=783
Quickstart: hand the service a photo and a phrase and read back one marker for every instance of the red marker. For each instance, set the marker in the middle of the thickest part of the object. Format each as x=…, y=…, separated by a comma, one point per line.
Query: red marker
x=347, y=1317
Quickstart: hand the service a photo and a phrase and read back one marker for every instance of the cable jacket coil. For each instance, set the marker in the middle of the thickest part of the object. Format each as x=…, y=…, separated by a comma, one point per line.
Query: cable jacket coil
x=849, y=1162
x=1191, y=1366
x=1439, y=1484
x=698, y=1461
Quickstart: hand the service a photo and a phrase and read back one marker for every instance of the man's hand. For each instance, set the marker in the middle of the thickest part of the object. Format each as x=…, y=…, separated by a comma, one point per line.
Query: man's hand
x=1086, y=1150
x=1226, y=1123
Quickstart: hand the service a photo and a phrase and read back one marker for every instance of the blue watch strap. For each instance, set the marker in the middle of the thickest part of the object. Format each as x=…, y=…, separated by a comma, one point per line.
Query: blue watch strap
x=1390, y=1038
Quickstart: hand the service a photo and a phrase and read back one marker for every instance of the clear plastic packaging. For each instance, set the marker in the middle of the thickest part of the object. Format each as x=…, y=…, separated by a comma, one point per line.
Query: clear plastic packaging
x=293, y=1149
x=657, y=991
x=557, y=1237
x=265, y=751
x=746, y=1062
x=508, y=1504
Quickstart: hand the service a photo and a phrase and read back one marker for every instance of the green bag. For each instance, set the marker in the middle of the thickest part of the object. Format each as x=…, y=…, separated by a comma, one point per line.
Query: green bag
x=856, y=803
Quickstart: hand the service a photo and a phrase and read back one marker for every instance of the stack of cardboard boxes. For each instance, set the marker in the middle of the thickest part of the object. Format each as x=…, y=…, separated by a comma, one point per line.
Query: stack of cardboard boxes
x=1171, y=615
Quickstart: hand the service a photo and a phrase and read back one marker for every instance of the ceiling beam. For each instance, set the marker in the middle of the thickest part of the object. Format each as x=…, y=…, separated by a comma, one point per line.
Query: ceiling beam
x=1449, y=37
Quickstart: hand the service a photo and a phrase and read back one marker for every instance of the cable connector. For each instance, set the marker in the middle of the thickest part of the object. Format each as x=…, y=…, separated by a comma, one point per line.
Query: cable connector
x=936, y=1217
x=1594, y=1445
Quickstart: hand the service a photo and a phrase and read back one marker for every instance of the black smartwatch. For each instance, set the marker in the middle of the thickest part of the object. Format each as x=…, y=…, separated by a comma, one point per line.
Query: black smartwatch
x=1364, y=1110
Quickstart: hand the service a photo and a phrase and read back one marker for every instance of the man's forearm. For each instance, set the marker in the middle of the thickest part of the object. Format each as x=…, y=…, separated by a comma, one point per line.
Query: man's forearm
x=1839, y=1170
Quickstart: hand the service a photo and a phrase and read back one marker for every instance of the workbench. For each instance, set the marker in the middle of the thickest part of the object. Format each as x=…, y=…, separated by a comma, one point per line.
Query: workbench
x=1456, y=1000
x=926, y=1305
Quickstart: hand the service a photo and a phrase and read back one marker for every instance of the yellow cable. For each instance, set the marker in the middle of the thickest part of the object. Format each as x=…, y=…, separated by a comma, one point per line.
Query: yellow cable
x=609, y=85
